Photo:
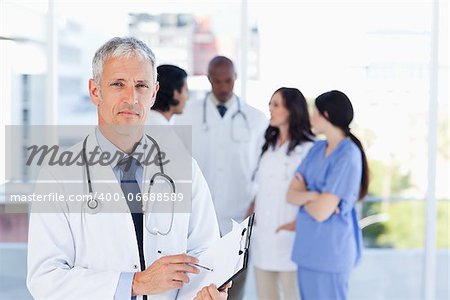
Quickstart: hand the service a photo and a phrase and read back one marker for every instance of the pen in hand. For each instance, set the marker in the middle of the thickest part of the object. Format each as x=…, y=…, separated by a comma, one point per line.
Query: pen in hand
x=197, y=265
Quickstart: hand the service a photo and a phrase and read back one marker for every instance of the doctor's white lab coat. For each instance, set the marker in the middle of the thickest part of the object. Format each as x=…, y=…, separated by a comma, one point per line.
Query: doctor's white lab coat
x=73, y=254
x=156, y=118
x=271, y=250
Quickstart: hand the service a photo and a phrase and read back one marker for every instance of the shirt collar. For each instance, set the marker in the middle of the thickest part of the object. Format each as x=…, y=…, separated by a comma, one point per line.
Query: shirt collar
x=226, y=104
x=107, y=146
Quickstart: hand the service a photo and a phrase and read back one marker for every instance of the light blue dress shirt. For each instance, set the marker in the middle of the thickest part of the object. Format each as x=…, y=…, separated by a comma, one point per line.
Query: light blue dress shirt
x=124, y=286
x=335, y=244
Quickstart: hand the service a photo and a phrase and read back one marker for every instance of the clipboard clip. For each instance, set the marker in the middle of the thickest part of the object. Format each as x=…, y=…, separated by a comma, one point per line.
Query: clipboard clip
x=244, y=248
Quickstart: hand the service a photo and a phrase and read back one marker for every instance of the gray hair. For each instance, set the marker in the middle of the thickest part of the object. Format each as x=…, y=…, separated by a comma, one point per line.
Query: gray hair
x=117, y=47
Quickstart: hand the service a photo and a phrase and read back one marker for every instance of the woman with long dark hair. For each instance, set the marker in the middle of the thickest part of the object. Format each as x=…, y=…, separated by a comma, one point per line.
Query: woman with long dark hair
x=328, y=183
x=287, y=141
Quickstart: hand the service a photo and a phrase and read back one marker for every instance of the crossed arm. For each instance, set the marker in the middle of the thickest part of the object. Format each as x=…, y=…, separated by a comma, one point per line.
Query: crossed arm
x=320, y=206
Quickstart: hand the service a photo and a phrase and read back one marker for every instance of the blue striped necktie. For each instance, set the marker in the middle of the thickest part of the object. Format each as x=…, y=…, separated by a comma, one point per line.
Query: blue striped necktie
x=130, y=188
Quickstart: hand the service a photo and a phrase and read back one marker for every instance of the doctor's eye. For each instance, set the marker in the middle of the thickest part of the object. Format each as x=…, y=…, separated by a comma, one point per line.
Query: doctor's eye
x=117, y=84
x=142, y=85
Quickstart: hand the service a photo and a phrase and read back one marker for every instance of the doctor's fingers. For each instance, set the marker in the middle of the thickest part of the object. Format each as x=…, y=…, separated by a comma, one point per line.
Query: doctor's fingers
x=181, y=277
x=226, y=287
x=178, y=259
x=214, y=293
x=210, y=293
x=203, y=294
x=174, y=284
x=183, y=268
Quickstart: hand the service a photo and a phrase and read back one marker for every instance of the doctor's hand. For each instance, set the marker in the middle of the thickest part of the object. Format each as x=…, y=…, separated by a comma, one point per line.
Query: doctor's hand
x=166, y=273
x=210, y=292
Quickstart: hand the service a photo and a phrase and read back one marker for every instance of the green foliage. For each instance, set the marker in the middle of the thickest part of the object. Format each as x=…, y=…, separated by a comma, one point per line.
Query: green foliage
x=387, y=179
x=406, y=225
x=443, y=227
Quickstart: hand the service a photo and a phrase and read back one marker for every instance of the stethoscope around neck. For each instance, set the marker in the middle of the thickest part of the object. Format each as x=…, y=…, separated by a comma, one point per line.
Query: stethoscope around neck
x=237, y=113
x=94, y=206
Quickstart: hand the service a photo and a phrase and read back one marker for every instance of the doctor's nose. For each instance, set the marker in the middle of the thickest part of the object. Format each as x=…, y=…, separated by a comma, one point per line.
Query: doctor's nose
x=131, y=96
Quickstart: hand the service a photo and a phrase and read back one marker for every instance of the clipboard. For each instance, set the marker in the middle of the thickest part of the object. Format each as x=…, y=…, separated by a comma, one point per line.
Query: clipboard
x=247, y=232
x=226, y=258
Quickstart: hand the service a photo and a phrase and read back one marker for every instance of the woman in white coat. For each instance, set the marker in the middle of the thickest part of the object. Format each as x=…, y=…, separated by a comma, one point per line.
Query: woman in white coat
x=287, y=141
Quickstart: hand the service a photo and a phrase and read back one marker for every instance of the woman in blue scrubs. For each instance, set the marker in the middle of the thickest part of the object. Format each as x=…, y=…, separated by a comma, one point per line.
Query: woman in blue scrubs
x=328, y=183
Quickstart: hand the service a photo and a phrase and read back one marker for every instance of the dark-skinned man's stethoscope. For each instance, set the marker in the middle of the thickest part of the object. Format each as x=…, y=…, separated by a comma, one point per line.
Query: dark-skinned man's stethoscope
x=237, y=113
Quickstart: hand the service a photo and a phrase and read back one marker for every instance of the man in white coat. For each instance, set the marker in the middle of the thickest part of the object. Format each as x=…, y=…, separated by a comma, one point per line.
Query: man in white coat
x=76, y=253
x=225, y=135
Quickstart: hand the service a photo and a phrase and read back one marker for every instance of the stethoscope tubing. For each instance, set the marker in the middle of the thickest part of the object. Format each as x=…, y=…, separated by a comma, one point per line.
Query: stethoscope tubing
x=235, y=114
x=93, y=204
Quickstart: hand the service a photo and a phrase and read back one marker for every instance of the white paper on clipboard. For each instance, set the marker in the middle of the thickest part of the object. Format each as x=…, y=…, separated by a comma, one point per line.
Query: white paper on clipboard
x=223, y=257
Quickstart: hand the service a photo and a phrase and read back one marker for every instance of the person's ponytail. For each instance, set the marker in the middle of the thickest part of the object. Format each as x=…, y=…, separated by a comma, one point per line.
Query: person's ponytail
x=365, y=167
x=336, y=107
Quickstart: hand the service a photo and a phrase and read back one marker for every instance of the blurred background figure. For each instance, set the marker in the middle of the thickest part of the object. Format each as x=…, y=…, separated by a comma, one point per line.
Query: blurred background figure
x=171, y=97
x=287, y=141
x=328, y=183
x=225, y=130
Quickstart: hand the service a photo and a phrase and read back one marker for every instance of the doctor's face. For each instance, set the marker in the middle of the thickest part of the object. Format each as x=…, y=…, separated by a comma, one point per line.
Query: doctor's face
x=222, y=79
x=125, y=93
x=279, y=114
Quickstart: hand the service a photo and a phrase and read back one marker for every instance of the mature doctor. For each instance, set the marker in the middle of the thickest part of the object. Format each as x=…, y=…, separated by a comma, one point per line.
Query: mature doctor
x=76, y=254
x=225, y=131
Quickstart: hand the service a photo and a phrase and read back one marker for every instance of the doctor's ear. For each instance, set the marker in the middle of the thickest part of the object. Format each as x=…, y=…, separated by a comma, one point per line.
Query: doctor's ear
x=155, y=92
x=94, y=92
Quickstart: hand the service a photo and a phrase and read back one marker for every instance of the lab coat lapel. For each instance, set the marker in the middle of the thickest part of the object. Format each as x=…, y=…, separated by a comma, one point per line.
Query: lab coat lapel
x=231, y=110
x=212, y=111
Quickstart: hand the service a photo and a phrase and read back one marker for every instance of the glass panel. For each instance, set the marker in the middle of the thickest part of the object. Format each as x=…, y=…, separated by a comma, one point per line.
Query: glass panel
x=443, y=162
x=23, y=44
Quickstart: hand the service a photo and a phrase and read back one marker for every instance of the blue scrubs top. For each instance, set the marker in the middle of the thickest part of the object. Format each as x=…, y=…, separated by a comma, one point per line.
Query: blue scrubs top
x=333, y=245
